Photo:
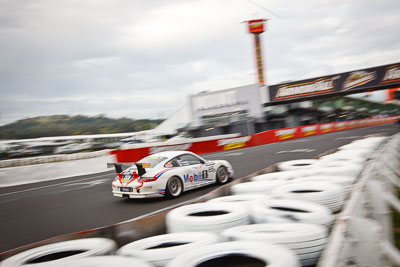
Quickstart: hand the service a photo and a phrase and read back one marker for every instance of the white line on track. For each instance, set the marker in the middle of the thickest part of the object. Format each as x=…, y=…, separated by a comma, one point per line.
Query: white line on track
x=306, y=150
x=379, y=131
x=89, y=183
x=230, y=153
x=46, y=186
x=298, y=141
x=347, y=137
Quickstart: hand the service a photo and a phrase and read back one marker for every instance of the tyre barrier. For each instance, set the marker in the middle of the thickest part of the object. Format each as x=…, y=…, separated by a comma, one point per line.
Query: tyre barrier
x=329, y=195
x=343, y=156
x=289, y=211
x=364, y=153
x=209, y=217
x=62, y=252
x=306, y=240
x=338, y=168
x=241, y=199
x=345, y=181
x=298, y=164
x=246, y=253
x=159, y=250
x=282, y=175
x=263, y=187
x=106, y=261
x=370, y=143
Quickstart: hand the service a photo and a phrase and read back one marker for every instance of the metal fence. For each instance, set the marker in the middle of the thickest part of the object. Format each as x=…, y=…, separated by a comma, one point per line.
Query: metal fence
x=53, y=158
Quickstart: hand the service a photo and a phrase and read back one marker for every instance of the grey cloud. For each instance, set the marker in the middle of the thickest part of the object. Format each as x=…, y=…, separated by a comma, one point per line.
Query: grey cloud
x=71, y=56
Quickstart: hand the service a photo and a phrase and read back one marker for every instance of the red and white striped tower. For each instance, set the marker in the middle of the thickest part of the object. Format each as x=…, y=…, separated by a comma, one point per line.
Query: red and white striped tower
x=256, y=27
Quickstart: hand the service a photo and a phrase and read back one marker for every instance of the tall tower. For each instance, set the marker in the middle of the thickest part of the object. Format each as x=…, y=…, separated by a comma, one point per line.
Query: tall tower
x=256, y=27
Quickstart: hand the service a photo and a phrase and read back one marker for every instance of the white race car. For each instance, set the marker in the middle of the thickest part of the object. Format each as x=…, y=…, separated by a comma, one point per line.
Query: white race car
x=169, y=174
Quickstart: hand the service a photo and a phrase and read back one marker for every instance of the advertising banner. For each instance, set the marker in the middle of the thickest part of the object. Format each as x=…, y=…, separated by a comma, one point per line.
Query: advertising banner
x=387, y=75
x=263, y=138
x=245, y=98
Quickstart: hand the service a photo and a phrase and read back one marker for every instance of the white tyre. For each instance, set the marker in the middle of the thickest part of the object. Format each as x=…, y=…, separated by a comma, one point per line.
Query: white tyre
x=328, y=194
x=263, y=187
x=106, y=261
x=342, y=180
x=366, y=143
x=246, y=252
x=289, y=210
x=345, y=181
x=306, y=240
x=209, y=217
x=159, y=250
x=354, y=145
x=343, y=156
x=57, y=253
x=338, y=168
x=283, y=175
x=299, y=164
x=240, y=199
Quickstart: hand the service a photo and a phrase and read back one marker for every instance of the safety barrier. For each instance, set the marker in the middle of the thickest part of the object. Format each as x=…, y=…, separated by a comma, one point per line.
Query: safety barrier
x=54, y=158
x=267, y=137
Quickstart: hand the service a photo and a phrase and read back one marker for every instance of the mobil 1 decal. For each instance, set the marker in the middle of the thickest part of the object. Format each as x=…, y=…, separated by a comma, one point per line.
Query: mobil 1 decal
x=196, y=176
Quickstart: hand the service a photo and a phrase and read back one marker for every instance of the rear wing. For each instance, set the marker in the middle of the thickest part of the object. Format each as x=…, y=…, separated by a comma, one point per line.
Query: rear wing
x=119, y=167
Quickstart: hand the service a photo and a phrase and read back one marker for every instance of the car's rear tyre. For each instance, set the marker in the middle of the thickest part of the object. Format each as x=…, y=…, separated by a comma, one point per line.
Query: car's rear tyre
x=174, y=187
x=222, y=175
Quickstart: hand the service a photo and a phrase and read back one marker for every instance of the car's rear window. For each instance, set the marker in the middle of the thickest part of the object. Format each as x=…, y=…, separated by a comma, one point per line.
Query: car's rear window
x=153, y=160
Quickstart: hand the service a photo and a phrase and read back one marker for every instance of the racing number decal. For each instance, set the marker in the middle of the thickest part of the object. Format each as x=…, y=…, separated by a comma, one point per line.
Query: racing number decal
x=146, y=165
x=204, y=174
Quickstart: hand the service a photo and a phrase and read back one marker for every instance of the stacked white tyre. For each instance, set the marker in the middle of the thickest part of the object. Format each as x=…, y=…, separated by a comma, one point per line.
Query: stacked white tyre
x=306, y=240
x=327, y=194
x=236, y=252
x=206, y=217
x=291, y=211
x=240, y=199
x=281, y=176
x=263, y=187
x=371, y=143
x=106, y=261
x=61, y=252
x=298, y=164
x=344, y=156
x=161, y=249
x=338, y=168
x=345, y=181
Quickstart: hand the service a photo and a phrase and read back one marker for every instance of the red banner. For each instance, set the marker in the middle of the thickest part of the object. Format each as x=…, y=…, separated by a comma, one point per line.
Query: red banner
x=270, y=136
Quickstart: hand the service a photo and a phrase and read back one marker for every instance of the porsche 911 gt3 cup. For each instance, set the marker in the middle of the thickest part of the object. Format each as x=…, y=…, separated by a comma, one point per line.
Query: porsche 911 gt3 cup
x=169, y=174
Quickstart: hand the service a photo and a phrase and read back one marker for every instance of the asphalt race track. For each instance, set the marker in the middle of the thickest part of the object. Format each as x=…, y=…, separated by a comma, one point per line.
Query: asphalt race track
x=38, y=211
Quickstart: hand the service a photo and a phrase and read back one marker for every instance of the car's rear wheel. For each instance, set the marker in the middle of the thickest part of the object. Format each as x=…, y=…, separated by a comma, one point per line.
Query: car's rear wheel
x=222, y=175
x=174, y=187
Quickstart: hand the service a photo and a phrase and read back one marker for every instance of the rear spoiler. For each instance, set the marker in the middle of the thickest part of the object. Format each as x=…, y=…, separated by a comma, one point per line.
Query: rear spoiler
x=120, y=166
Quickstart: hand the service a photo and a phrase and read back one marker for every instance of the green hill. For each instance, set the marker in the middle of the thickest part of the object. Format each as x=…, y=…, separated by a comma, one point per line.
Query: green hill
x=60, y=125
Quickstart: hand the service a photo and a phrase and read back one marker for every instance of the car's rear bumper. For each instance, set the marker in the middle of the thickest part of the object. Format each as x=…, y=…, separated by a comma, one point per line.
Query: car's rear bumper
x=139, y=195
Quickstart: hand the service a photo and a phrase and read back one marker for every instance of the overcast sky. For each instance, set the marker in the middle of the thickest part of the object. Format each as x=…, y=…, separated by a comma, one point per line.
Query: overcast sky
x=142, y=59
